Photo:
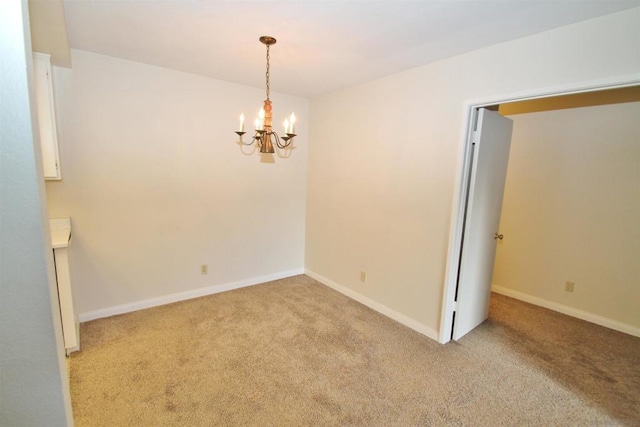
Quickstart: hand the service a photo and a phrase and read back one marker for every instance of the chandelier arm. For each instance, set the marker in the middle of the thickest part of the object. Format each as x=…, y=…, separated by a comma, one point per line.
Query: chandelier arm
x=277, y=139
x=287, y=142
x=241, y=141
x=247, y=143
x=279, y=142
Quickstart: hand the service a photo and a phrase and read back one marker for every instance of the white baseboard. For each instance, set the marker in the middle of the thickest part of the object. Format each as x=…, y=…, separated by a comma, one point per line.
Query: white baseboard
x=380, y=308
x=570, y=311
x=181, y=296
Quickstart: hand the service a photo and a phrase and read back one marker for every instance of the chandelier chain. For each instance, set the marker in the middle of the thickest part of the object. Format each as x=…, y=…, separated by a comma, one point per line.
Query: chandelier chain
x=267, y=73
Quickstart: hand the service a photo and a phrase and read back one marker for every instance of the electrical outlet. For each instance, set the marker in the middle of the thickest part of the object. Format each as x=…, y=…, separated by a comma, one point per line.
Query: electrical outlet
x=204, y=269
x=568, y=286
x=363, y=276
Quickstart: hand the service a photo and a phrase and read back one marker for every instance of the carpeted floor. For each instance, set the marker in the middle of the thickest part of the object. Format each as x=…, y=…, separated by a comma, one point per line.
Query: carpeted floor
x=294, y=352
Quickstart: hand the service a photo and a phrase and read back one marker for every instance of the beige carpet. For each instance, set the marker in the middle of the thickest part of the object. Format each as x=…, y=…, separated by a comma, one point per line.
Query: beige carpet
x=293, y=352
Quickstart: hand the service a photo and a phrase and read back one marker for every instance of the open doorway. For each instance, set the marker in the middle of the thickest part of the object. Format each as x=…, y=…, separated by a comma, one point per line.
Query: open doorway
x=571, y=207
x=596, y=93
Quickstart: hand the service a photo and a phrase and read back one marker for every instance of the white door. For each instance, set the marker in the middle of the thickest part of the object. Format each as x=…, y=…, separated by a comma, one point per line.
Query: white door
x=484, y=204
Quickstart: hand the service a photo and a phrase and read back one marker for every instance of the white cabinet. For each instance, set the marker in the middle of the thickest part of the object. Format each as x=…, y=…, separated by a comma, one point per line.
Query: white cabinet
x=60, y=241
x=46, y=115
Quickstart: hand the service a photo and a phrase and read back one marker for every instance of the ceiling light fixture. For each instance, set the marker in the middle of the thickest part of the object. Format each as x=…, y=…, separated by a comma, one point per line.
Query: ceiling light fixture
x=264, y=136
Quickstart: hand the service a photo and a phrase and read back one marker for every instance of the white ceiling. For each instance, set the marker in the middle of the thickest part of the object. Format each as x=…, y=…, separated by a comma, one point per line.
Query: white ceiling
x=322, y=45
x=49, y=30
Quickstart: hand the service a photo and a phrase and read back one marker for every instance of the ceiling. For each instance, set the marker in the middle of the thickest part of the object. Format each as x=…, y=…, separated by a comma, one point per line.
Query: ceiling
x=322, y=46
x=49, y=31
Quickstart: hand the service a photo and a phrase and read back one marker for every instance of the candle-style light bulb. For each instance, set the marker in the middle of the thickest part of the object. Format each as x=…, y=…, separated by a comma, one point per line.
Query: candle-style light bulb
x=286, y=126
x=241, y=122
x=292, y=120
x=257, y=123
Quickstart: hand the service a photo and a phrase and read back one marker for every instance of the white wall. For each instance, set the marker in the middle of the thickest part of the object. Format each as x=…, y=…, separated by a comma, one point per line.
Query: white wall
x=571, y=210
x=155, y=184
x=34, y=388
x=383, y=157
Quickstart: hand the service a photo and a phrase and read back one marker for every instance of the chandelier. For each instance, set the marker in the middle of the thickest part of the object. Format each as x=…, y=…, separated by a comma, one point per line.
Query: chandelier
x=265, y=137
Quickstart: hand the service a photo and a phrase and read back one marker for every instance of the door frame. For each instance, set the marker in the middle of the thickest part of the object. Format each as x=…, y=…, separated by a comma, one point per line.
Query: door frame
x=463, y=174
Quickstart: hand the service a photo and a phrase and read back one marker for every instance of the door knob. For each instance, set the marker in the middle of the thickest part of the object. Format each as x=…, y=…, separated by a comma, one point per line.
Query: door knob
x=498, y=236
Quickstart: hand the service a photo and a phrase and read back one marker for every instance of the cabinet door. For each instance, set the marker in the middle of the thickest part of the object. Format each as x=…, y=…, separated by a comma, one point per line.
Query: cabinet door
x=46, y=116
